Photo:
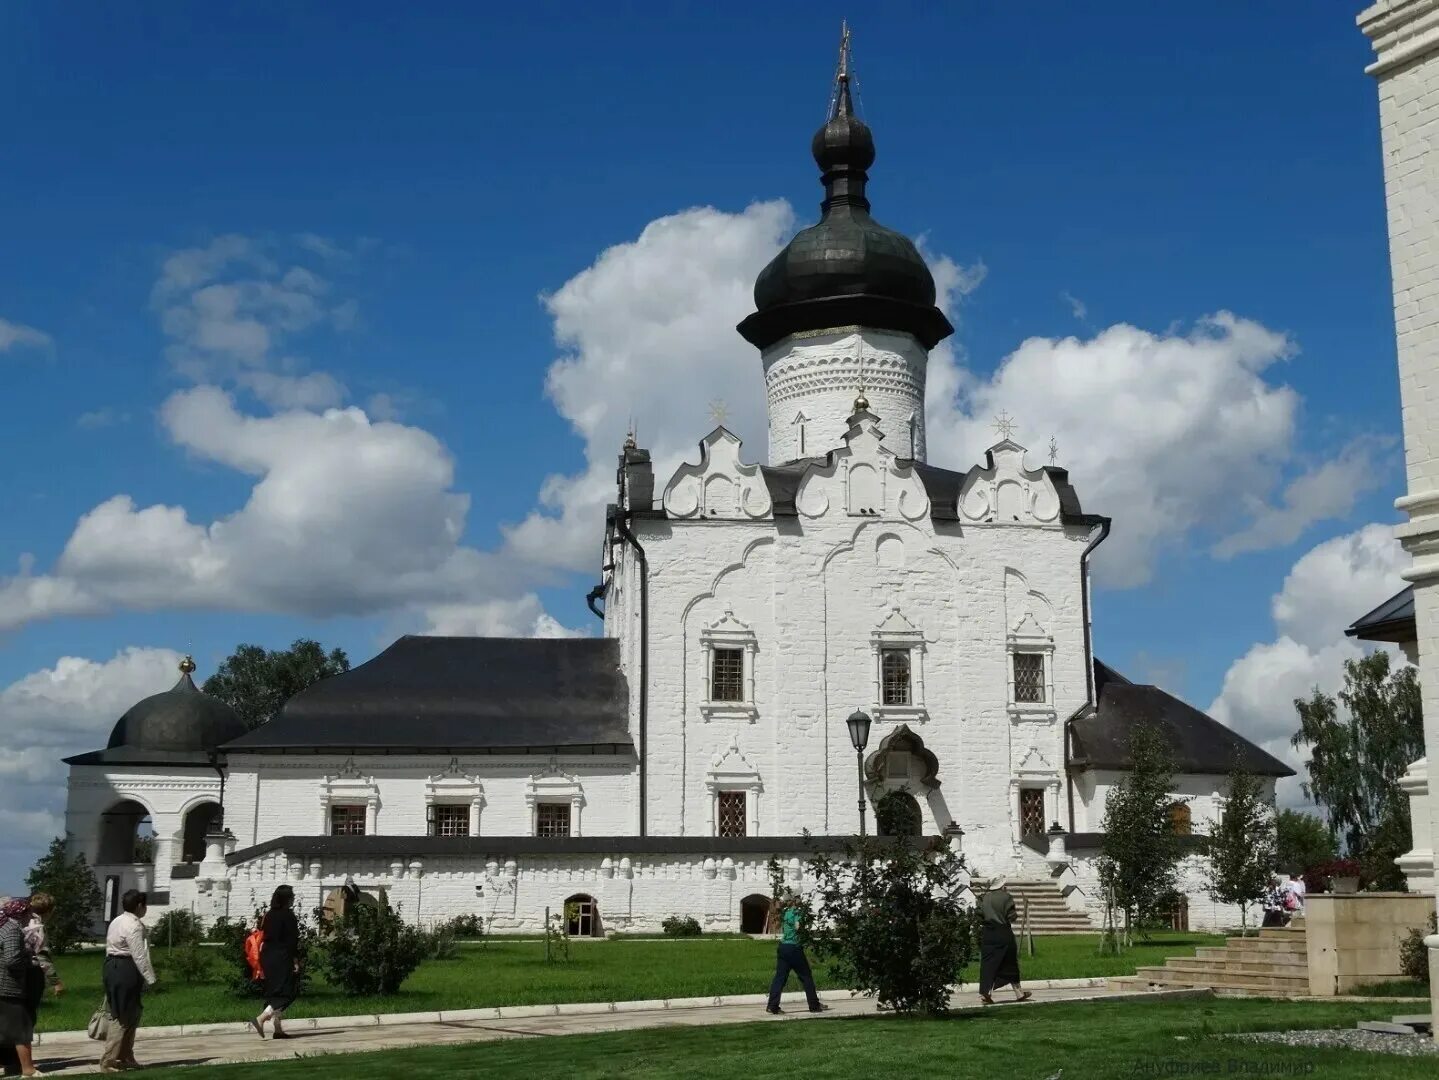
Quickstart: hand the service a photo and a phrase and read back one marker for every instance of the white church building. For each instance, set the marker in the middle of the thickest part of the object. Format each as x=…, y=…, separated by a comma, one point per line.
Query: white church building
x=750, y=610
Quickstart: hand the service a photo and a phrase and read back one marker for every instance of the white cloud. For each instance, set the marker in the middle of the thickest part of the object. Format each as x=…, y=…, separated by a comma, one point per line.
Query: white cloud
x=19, y=336
x=1077, y=307
x=1327, y=589
x=648, y=335
x=230, y=307
x=50, y=714
x=107, y=416
x=522, y=617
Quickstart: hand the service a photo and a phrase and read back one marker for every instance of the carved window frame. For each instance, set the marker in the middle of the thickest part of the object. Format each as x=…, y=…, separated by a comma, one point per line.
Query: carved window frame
x=728, y=633
x=1032, y=642
x=554, y=786
x=739, y=777
x=882, y=640
x=455, y=789
x=348, y=788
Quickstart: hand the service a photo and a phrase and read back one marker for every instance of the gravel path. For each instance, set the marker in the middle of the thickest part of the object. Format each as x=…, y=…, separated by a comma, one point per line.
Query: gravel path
x=1373, y=1042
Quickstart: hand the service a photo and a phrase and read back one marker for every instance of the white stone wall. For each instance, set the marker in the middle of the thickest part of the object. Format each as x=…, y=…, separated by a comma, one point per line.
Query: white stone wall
x=270, y=796
x=812, y=379
x=864, y=563
x=1203, y=793
x=1405, y=36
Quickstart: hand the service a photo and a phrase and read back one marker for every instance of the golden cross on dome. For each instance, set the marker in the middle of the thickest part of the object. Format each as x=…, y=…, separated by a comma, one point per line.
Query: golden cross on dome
x=1004, y=425
x=1053, y=450
x=719, y=412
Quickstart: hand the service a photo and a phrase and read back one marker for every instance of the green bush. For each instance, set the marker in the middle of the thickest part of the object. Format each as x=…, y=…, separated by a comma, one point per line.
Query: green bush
x=463, y=927
x=220, y=931
x=440, y=943
x=190, y=964
x=1414, y=954
x=371, y=950
x=681, y=926
x=178, y=927
x=887, y=919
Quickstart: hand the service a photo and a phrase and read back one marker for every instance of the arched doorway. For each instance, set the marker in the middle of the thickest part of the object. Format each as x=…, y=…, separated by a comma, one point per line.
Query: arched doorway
x=198, y=823
x=127, y=836
x=582, y=916
x=755, y=914
x=897, y=813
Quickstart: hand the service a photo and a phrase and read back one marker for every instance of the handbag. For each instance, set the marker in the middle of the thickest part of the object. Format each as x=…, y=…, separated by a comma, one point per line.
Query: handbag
x=100, y=1020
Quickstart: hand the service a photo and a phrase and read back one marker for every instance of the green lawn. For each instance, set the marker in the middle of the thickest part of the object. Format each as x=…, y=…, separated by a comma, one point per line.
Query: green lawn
x=1088, y=1041
x=1397, y=988
x=515, y=973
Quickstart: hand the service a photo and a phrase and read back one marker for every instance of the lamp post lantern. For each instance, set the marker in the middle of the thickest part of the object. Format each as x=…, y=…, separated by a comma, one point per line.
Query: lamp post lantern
x=858, y=724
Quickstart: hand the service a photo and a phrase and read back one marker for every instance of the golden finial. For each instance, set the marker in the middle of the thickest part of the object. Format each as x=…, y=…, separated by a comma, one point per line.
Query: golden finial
x=861, y=403
x=187, y=665
x=630, y=443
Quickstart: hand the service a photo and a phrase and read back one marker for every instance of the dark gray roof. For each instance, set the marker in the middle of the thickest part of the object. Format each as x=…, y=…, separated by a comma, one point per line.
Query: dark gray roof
x=438, y=694
x=1199, y=743
x=500, y=846
x=178, y=727
x=1392, y=620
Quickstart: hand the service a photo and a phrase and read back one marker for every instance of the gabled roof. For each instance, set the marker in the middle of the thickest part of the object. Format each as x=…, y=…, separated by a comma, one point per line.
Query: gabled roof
x=941, y=485
x=441, y=694
x=1392, y=620
x=1199, y=743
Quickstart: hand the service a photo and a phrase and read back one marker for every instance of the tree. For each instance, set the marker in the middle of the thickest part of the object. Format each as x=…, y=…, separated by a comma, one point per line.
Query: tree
x=1139, y=859
x=70, y=881
x=1301, y=841
x=1357, y=756
x=255, y=681
x=888, y=919
x=1241, y=848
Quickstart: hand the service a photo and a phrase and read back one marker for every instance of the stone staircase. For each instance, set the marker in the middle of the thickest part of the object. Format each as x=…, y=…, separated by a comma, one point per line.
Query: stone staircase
x=1275, y=962
x=1048, y=913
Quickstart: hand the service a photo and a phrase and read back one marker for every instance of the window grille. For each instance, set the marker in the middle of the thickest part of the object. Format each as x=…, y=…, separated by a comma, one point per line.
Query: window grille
x=731, y=814
x=347, y=820
x=552, y=819
x=894, y=673
x=1031, y=811
x=452, y=820
x=1029, y=678
x=727, y=676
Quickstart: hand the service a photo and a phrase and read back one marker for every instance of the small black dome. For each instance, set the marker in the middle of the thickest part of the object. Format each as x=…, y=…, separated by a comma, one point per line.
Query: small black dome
x=182, y=718
x=848, y=269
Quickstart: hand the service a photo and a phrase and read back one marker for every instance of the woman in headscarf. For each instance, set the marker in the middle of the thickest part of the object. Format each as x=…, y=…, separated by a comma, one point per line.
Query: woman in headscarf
x=17, y=1019
x=998, y=951
x=280, y=961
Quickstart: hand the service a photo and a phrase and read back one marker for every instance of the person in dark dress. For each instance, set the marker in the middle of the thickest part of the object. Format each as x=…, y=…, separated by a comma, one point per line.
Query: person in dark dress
x=998, y=951
x=280, y=961
x=17, y=1018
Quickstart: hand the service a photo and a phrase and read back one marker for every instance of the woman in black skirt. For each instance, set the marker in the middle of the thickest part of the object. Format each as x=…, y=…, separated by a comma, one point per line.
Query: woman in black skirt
x=280, y=961
x=998, y=951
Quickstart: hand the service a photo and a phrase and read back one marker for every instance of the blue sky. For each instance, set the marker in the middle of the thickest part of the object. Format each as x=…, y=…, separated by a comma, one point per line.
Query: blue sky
x=392, y=193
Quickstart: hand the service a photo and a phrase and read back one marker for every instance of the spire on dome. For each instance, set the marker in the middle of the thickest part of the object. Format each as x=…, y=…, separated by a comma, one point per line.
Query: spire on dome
x=847, y=269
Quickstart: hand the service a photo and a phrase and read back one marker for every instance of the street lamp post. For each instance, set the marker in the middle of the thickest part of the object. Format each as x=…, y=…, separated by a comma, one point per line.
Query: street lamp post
x=858, y=724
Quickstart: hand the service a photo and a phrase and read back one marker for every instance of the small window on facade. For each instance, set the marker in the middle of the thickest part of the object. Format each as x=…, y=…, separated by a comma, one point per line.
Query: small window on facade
x=347, y=820
x=1029, y=678
x=451, y=820
x=731, y=814
x=1180, y=822
x=894, y=676
x=727, y=678
x=1031, y=811
x=552, y=819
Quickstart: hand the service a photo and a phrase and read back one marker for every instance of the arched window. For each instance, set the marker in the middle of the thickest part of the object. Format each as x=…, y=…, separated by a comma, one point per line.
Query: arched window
x=582, y=916
x=198, y=823
x=897, y=813
x=1179, y=819
x=126, y=835
x=754, y=914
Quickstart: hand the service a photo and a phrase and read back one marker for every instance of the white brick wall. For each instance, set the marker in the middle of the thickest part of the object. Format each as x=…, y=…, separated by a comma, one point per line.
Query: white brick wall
x=1405, y=36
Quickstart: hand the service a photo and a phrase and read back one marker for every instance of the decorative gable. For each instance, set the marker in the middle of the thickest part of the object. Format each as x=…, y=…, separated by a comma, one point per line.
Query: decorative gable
x=721, y=486
x=863, y=478
x=1004, y=492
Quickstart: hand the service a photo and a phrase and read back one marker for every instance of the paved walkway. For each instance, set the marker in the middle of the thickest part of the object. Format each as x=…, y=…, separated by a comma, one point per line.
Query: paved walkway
x=70, y=1053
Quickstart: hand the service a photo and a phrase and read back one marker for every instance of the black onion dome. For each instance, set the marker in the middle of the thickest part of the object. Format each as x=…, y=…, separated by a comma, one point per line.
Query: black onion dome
x=182, y=718
x=847, y=270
